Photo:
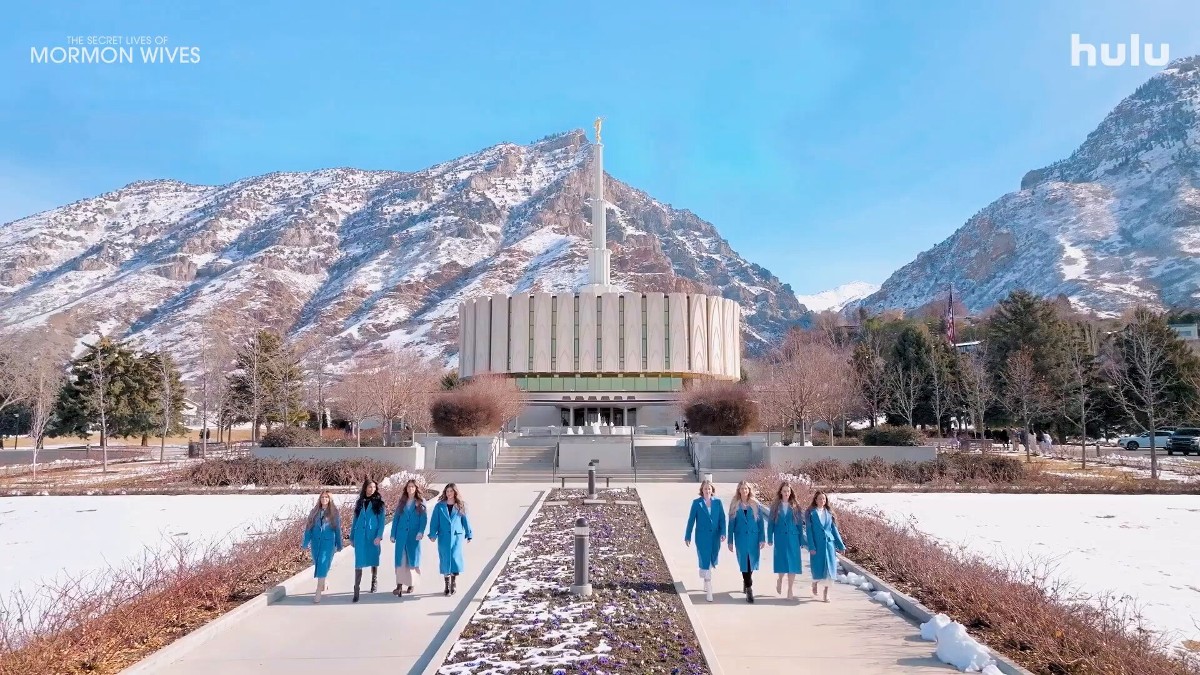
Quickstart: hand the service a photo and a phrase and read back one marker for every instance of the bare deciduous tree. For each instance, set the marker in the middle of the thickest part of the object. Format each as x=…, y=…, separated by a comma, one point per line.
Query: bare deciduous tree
x=101, y=376
x=14, y=369
x=975, y=389
x=1027, y=394
x=1080, y=398
x=354, y=399
x=837, y=392
x=211, y=386
x=1138, y=366
x=904, y=384
x=941, y=383
x=44, y=379
x=402, y=382
x=870, y=376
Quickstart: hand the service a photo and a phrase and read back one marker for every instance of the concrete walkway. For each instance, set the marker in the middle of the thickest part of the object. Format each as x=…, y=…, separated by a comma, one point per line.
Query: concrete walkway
x=380, y=634
x=850, y=636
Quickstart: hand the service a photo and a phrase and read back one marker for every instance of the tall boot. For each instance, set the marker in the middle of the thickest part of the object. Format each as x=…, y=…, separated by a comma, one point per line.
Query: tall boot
x=453, y=584
x=357, y=583
x=447, y=580
x=374, y=579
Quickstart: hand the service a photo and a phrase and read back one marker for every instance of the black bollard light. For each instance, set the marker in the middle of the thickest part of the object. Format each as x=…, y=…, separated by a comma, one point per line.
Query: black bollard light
x=583, y=585
x=592, y=478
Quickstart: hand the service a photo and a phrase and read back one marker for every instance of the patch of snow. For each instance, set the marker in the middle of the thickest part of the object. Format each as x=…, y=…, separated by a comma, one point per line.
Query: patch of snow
x=957, y=648
x=835, y=299
x=1095, y=544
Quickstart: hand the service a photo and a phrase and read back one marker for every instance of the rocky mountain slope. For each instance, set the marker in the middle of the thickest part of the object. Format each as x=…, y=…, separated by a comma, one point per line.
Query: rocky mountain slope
x=1115, y=224
x=837, y=298
x=351, y=259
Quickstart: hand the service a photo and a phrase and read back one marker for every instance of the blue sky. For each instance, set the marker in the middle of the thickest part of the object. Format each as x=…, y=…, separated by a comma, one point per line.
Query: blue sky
x=828, y=142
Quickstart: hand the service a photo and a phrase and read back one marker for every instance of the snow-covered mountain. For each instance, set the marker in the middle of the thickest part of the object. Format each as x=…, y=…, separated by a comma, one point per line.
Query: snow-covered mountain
x=835, y=299
x=355, y=259
x=1115, y=224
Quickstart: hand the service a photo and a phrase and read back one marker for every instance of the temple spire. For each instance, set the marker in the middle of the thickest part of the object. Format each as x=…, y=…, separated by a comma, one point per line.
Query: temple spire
x=599, y=274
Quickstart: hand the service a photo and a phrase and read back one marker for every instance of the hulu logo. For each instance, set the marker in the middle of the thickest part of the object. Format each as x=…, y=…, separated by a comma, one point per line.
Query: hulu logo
x=1117, y=55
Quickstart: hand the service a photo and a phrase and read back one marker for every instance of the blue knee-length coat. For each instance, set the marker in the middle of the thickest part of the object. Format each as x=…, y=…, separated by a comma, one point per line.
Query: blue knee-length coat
x=448, y=527
x=824, y=542
x=364, y=530
x=323, y=539
x=785, y=532
x=708, y=522
x=748, y=529
x=408, y=523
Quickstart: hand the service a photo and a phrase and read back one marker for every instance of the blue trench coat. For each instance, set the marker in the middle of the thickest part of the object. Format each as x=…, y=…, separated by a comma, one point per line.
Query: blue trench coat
x=786, y=533
x=407, y=523
x=709, y=525
x=826, y=541
x=748, y=529
x=448, y=530
x=323, y=539
x=364, y=530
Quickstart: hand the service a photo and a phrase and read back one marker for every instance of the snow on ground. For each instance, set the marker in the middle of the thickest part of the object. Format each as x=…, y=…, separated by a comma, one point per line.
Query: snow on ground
x=1140, y=547
x=47, y=538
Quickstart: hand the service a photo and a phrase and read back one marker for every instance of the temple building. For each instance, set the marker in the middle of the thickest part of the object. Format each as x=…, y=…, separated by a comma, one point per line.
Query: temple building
x=600, y=353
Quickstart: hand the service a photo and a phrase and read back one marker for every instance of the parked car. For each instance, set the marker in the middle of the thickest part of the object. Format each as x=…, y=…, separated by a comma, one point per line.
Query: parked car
x=1142, y=440
x=1185, y=440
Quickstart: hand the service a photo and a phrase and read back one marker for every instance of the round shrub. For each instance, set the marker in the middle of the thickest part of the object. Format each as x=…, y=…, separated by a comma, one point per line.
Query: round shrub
x=893, y=436
x=463, y=412
x=291, y=437
x=721, y=410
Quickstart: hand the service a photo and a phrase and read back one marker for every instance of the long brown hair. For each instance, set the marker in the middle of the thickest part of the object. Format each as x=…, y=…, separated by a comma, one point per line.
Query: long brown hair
x=458, y=500
x=792, y=501
x=813, y=505
x=416, y=498
x=330, y=511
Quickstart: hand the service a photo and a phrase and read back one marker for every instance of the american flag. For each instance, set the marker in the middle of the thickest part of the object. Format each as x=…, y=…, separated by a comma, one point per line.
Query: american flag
x=950, y=317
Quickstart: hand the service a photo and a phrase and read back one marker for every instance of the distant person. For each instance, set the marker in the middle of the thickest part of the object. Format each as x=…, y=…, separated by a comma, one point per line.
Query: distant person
x=824, y=543
x=747, y=534
x=323, y=537
x=366, y=533
x=707, y=519
x=448, y=527
x=785, y=532
x=408, y=528
x=677, y=427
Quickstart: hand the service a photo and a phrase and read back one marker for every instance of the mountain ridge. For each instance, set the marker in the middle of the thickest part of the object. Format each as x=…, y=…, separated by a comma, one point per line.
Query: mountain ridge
x=1115, y=224
x=359, y=259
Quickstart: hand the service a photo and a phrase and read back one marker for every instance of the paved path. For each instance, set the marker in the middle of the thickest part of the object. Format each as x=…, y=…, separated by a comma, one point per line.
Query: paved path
x=380, y=634
x=850, y=636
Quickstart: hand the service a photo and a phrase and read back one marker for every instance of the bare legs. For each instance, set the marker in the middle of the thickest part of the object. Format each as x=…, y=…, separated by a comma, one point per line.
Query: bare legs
x=320, y=590
x=791, y=579
x=706, y=576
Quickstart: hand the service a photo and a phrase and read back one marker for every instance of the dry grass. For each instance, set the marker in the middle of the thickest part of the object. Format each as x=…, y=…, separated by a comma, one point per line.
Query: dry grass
x=101, y=625
x=1041, y=626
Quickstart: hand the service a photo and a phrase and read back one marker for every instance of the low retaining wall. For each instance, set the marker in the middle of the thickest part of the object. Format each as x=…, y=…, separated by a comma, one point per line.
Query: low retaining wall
x=575, y=452
x=780, y=455
x=411, y=458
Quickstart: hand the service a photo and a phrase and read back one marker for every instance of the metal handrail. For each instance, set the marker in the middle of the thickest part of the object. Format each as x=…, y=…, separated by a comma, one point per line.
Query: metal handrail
x=633, y=454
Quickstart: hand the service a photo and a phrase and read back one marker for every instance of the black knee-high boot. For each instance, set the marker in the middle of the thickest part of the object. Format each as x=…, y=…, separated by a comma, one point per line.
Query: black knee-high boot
x=357, y=582
x=453, y=584
x=374, y=579
x=748, y=581
x=447, y=580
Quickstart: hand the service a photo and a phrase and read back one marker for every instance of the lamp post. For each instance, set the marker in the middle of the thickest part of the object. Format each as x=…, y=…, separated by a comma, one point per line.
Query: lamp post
x=592, y=478
x=583, y=585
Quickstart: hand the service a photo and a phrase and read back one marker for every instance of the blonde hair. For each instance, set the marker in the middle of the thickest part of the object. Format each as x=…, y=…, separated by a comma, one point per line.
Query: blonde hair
x=709, y=483
x=330, y=511
x=737, y=497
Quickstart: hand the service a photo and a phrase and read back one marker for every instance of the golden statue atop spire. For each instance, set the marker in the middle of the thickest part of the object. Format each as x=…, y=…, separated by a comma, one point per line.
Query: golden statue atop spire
x=599, y=121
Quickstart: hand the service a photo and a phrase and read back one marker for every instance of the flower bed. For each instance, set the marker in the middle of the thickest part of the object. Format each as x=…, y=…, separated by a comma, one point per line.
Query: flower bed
x=102, y=625
x=634, y=622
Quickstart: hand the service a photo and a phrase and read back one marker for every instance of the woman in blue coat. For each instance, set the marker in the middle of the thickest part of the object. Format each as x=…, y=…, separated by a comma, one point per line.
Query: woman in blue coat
x=408, y=527
x=824, y=542
x=747, y=534
x=707, y=518
x=448, y=527
x=322, y=536
x=366, y=533
x=785, y=532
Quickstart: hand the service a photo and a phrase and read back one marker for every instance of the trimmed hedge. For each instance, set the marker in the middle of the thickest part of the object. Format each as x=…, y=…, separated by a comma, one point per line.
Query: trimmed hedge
x=291, y=437
x=264, y=472
x=893, y=436
x=721, y=410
